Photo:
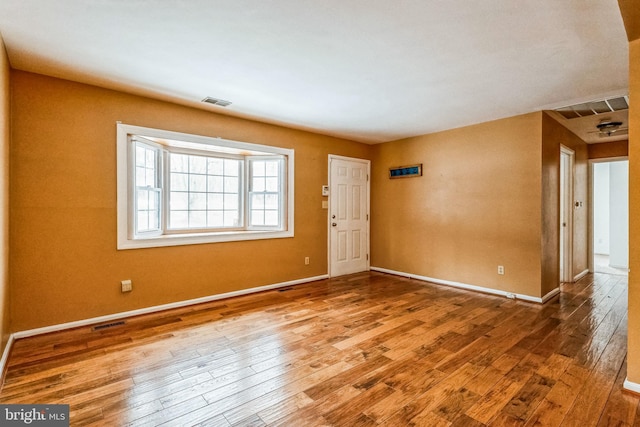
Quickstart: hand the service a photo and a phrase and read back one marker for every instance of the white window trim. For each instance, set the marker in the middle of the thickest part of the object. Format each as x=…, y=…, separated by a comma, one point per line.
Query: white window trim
x=125, y=239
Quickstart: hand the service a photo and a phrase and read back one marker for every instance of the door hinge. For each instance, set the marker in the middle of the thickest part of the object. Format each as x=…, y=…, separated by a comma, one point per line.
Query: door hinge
x=367, y=257
x=367, y=217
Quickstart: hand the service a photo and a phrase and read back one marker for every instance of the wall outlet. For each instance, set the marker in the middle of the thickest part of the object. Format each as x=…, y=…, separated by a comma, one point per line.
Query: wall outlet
x=501, y=269
x=126, y=286
x=306, y=260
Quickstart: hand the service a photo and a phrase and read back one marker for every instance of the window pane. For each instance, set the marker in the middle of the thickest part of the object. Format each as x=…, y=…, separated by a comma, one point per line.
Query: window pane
x=271, y=201
x=215, y=166
x=272, y=168
x=154, y=201
x=257, y=201
x=230, y=218
x=231, y=201
x=179, y=182
x=258, y=168
x=230, y=185
x=150, y=159
x=143, y=200
x=257, y=217
x=197, y=164
x=215, y=184
x=215, y=201
x=198, y=183
x=271, y=218
x=178, y=201
x=179, y=162
x=197, y=201
x=258, y=184
x=215, y=219
x=205, y=184
x=178, y=219
x=154, y=220
x=141, y=177
x=272, y=184
x=151, y=177
x=197, y=219
x=143, y=220
x=231, y=167
x=140, y=158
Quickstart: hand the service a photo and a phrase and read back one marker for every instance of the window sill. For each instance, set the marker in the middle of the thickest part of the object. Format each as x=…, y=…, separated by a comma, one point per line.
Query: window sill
x=200, y=238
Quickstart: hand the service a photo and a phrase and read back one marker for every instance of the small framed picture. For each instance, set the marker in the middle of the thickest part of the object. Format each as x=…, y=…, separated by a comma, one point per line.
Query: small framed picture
x=405, y=171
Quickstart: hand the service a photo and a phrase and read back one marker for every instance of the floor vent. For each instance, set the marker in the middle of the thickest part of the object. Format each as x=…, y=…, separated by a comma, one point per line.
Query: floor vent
x=108, y=325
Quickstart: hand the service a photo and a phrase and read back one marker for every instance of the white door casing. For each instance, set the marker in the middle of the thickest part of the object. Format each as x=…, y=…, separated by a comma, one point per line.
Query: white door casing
x=567, y=157
x=348, y=215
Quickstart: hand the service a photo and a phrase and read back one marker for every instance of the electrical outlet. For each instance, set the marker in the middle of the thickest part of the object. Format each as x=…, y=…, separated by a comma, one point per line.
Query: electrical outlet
x=306, y=260
x=126, y=286
x=501, y=269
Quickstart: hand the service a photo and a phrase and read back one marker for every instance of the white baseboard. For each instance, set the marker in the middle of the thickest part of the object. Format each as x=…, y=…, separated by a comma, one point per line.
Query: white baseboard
x=551, y=294
x=581, y=275
x=146, y=310
x=634, y=387
x=5, y=357
x=470, y=287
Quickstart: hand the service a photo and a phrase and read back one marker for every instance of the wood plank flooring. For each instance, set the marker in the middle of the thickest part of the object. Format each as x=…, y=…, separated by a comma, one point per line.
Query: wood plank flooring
x=361, y=350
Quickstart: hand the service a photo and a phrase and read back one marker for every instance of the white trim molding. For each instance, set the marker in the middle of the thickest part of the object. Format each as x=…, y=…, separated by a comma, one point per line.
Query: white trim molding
x=475, y=288
x=153, y=309
x=5, y=357
x=634, y=387
x=581, y=275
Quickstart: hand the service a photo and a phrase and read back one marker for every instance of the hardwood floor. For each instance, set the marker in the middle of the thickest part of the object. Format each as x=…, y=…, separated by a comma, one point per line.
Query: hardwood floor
x=362, y=350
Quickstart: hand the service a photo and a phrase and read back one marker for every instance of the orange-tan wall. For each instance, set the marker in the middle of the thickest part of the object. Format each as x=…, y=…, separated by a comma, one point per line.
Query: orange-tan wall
x=477, y=205
x=633, y=355
x=65, y=265
x=631, y=17
x=4, y=196
x=553, y=136
x=608, y=149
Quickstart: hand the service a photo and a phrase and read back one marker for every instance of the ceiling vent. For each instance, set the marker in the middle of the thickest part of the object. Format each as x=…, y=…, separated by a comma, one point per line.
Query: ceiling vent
x=216, y=101
x=603, y=106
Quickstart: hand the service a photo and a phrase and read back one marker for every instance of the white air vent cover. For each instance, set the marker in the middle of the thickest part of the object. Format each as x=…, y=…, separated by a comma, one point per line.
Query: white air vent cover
x=216, y=101
x=594, y=107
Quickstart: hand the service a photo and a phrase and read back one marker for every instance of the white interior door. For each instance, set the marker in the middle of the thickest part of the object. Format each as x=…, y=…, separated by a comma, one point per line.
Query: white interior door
x=348, y=215
x=566, y=214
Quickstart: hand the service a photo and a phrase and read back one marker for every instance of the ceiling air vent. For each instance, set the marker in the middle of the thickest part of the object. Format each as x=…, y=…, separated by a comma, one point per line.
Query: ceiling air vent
x=216, y=101
x=594, y=107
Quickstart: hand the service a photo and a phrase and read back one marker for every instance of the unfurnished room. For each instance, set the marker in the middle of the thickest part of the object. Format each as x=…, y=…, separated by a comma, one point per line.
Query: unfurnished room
x=336, y=213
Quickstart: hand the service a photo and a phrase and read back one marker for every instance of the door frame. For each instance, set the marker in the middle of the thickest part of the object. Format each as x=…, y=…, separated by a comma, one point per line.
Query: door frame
x=591, y=243
x=566, y=261
x=368, y=206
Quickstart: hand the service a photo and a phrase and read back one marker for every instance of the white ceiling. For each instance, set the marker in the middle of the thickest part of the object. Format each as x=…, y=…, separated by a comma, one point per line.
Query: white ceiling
x=367, y=70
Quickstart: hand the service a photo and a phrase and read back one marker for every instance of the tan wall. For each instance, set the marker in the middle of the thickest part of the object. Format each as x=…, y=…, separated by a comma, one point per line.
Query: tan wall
x=553, y=136
x=477, y=205
x=608, y=149
x=631, y=16
x=63, y=188
x=633, y=355
x=4, y=196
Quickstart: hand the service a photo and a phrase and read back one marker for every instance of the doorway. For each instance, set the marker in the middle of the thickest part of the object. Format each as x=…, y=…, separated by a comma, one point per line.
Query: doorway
x=610, y=217
x=567, y=158
x=348, y=215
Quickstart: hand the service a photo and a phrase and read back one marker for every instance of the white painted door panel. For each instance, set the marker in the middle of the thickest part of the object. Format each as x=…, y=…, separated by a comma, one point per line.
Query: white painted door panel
x=349, y=209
